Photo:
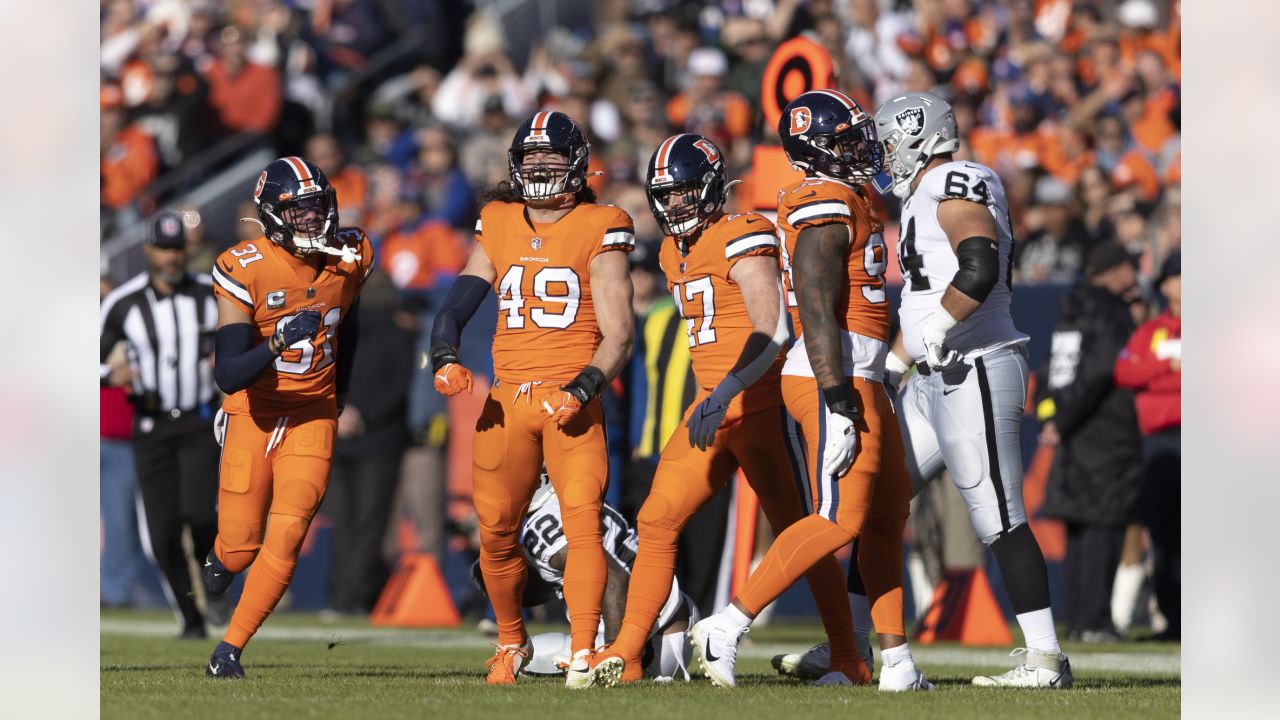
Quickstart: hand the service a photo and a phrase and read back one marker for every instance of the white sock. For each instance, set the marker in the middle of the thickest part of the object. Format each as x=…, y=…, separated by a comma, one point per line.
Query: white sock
x=1038, y=630
x=895, y=655
x=581, y=653
x=736, y=617
x=861, y=608
x=1124, y=594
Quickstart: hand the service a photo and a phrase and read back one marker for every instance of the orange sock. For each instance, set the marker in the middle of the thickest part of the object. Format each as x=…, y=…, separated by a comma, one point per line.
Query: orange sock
x=503, y=567
x=650, y=585
x=268, y=577
x=880, y=564
x=584, y=573
x=805, y=548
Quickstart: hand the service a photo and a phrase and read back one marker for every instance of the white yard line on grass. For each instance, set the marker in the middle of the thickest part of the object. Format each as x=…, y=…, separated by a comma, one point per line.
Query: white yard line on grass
x=1160, y=663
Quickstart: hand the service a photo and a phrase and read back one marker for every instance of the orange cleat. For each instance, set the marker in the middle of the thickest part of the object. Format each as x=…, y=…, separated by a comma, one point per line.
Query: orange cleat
x=849, y=673
x=612, y=669
x=506, y=663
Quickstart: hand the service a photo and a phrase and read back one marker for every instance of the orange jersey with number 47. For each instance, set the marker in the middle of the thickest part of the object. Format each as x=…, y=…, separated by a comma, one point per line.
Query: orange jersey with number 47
x=272, y=285
x=863, y=306
x=547, y=330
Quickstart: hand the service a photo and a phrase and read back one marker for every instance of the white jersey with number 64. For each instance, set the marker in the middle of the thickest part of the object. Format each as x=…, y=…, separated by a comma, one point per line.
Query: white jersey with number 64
x=928, y=263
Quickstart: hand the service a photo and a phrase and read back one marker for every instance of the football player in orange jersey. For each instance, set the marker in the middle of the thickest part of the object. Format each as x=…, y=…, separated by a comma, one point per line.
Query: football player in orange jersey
x=285, y=342
x=723, y=271
x=835, y=259
x=564, y=330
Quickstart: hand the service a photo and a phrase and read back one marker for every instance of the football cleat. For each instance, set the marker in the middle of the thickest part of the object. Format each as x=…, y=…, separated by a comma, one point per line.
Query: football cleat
x=506, y=663
x=813, y=663
x=903, y=677
x=225, y=662
x=584, y=671
x=217, y=578
x=612, y=669
x=1040, y=670
x=854, y=673
x=715, y=644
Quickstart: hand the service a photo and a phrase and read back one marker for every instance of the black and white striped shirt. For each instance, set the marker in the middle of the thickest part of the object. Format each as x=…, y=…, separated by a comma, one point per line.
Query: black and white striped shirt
x=168, y=341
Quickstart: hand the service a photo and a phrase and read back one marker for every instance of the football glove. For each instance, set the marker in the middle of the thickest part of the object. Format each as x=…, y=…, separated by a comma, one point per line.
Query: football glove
x=566, y=404
x=934, y=335
x=302, y=326
x=707, y=418
x=450, y=377
x=841, y=431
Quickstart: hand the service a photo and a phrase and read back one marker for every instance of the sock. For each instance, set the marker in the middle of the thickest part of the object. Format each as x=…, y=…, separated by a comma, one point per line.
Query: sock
x=895, y=655
x=1125, y=593
x=584, y=573
x=736, y=617
x=880, y=565
x=502, y=564
x=265, y=584
x=651, y=574
x=861, y=608
x=1038, y=630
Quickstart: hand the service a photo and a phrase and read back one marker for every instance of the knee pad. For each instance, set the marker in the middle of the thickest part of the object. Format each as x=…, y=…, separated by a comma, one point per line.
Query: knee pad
x=581, y=520
x=299, y=494
x=238, y=549
x=499, y=545
x=285, y=536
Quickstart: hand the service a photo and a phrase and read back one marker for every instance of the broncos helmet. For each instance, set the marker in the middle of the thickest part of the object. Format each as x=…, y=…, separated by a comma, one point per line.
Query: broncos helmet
x=297, y=206
x=555, y=131
x=825, y=133
x=688, y=168
x=914, y=128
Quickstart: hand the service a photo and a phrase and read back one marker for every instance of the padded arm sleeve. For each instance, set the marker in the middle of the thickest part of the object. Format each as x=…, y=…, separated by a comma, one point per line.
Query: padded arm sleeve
x=237, y=361
x=760, y=351
x=348, y=339
x=979, y=267
x=460, y=304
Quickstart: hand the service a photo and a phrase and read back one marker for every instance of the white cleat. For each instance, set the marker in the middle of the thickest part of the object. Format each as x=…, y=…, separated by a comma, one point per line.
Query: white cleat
x=835, y=678
x=715, y=644
x=903, y=677
x=809, y=665
x=1040, y=670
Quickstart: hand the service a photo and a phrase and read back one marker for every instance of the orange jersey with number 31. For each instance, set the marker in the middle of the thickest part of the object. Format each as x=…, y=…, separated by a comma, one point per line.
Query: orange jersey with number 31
x=547, y=329
x=863, y=306
x=272, y=285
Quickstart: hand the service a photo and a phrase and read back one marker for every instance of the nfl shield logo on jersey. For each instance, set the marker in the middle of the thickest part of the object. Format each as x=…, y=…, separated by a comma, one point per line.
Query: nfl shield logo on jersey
x=911, y=120
x=536, y=243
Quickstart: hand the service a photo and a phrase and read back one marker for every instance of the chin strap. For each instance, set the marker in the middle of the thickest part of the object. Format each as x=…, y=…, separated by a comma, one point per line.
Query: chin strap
x=347, y=253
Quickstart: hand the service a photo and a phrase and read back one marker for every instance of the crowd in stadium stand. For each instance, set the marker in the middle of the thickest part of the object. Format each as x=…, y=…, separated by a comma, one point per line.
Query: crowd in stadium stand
x=1075, y=103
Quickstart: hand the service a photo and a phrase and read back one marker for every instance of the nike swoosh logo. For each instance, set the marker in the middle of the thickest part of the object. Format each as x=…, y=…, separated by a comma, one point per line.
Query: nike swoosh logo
x=213, y=669
x=948, y=391
x=710, y=657
x=811, y=194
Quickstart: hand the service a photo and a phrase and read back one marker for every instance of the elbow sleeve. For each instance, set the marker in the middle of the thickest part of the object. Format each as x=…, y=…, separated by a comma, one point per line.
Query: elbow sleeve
x=979, y=270
x=460, y=304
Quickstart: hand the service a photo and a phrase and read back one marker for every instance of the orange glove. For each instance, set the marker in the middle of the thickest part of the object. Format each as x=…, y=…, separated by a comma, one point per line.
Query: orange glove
x=562, y=407
x=452, y=379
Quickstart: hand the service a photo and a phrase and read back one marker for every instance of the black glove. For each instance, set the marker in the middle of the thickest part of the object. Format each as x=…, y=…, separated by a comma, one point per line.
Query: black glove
x=586, y=385
x=303, y=326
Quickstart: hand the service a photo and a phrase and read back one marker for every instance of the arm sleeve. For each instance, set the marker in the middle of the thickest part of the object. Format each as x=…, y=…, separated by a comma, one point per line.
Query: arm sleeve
x=464, y=298
x=238, y=363
x=348, y=340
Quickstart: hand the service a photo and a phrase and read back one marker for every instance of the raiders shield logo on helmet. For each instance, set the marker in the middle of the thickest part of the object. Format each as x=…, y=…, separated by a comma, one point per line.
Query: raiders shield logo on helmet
x=801, y=119
x=911, y=120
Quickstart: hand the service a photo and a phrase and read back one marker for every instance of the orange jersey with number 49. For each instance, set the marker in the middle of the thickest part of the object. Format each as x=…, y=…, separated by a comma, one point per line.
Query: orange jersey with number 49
x=272, y=286
x=547, y=330
x=862, y=304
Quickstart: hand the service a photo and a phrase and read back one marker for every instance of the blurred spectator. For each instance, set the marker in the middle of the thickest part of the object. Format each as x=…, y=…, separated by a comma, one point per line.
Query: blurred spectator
x=443, y=186
x=128, y=160
x=748, y=40
x=386, y=139
x=413, y=93
x=873, y=46
x=482, y=73
x=419, y=251
x=200, y=255
x=244, y=95
x=483, y=155
x=1055, y=249
x=1151, y=365
x=1096, y=475
x=704, y=107
x=1126, y=164
x=172, y=112
x=372, y=435
x=347, y=179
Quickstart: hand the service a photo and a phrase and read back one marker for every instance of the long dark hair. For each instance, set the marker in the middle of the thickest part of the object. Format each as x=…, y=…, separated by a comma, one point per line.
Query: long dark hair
x=503, y=192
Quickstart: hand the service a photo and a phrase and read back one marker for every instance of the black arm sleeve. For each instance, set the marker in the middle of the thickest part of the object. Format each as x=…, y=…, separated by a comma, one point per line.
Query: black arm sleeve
x=979, y=267
x=237, y=361
x=348, y=339
x=460, y=304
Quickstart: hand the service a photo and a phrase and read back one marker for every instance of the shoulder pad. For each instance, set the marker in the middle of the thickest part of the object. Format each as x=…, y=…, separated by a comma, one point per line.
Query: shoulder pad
x=748, y=233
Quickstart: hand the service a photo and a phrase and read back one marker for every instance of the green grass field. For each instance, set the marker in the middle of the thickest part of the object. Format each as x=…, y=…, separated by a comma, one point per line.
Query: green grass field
x=299, y=667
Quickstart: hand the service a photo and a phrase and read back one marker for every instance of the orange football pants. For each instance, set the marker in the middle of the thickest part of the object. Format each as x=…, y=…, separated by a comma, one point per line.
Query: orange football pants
x=757, y=442
x=272, y=477
x=871, y=500
x=514, y=436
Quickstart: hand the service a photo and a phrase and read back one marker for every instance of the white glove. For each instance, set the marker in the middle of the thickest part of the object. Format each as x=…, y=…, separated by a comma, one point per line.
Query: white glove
x=841, y=446
x=220, y=426
x=894, y=369
x=934, y=335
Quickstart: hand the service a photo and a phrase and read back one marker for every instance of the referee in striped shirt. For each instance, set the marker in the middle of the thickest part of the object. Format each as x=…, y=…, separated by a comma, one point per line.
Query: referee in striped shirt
x=166, y=317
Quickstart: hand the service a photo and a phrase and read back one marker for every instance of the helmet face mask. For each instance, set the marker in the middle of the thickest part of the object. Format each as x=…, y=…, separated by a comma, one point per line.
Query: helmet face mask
x=685, y=184
x=548, y=158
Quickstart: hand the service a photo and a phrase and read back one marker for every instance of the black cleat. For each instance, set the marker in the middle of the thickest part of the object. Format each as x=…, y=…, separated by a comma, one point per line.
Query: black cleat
x=217, y=578
x=225, y=662
x=194, y=631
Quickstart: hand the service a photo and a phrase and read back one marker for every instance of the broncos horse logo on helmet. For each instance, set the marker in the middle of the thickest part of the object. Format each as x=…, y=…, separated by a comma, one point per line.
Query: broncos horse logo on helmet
x=685, y=183
x=826, y=134
x=544, y=179
x=298, y=208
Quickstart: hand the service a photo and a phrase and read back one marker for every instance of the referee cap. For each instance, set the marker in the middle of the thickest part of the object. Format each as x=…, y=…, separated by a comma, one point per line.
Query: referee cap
x=167, y=231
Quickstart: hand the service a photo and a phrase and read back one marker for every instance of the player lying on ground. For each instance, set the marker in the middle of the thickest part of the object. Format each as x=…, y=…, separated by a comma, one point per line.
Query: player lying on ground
x=834, y=259
x=666, y=655
x=723, y=272
x=285, y=342
x=564, y=330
